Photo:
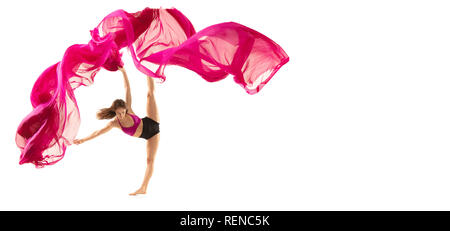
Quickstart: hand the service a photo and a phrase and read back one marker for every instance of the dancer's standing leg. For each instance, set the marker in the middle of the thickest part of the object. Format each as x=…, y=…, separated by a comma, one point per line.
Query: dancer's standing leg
x=152, y=143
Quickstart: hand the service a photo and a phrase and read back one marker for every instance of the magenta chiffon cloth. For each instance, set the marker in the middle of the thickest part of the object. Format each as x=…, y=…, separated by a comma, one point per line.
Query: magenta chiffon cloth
x=155, y=38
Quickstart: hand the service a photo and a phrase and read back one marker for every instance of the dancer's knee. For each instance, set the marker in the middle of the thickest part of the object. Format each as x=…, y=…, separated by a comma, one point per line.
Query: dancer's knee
x=150, y=160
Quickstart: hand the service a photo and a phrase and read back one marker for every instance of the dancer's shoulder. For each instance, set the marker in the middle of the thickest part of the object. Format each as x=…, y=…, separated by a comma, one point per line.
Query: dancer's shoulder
x=130, y=111
x=114, y=123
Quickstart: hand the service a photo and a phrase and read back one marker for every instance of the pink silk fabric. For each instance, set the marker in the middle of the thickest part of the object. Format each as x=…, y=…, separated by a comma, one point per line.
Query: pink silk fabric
x=155, y=38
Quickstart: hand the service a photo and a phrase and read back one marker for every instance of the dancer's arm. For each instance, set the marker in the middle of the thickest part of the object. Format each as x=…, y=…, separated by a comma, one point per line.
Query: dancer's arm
x=127, y=88
x=108, y=127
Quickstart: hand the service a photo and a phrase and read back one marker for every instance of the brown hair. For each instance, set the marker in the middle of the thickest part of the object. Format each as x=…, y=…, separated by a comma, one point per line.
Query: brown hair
x=110, y=112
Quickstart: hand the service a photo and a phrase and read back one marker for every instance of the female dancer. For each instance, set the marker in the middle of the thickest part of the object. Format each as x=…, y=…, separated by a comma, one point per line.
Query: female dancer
x=124, y=117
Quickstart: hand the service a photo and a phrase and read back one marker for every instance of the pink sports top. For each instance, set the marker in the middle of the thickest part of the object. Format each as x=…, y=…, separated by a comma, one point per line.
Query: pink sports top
x=131, y=130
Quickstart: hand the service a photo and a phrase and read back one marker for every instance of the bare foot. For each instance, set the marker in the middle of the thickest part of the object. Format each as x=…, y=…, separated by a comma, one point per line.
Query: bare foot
x=139, y=191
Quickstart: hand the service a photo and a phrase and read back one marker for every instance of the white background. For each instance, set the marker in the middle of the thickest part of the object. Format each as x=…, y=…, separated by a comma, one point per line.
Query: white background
x=357, y=120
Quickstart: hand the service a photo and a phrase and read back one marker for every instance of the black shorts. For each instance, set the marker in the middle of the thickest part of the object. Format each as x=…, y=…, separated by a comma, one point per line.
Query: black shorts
x=149, y=128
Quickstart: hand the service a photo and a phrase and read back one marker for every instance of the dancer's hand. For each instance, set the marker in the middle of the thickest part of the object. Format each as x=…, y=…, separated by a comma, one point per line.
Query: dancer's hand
x=78, y=141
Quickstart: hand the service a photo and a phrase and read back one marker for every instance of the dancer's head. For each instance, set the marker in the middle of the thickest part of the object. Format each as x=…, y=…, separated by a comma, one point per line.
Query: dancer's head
x=118, y=108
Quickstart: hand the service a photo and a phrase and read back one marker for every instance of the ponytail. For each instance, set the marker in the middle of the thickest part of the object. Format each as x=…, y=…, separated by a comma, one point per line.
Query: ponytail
x=106, y=113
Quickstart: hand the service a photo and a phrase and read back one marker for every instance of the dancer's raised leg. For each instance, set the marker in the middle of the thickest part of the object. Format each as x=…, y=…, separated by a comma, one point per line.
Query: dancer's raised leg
x=152, y=109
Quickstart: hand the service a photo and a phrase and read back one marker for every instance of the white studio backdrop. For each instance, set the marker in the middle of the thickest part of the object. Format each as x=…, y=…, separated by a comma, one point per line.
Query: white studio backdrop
x=358, y=119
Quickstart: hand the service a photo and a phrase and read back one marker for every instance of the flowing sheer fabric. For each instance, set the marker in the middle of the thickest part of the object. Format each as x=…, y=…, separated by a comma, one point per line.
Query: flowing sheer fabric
x=155, y=38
